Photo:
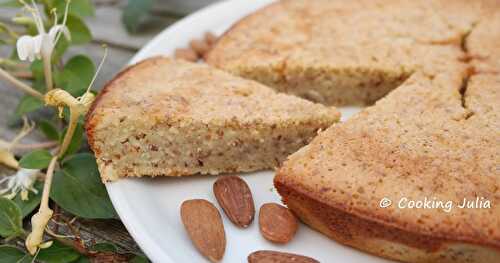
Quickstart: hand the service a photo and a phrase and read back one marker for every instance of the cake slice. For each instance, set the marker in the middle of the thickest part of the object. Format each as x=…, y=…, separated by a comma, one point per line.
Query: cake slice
x=175, y=118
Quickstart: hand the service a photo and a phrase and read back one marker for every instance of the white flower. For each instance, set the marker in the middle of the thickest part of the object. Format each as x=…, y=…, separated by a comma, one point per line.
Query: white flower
x=41, y=45
x=29, y=47
x=22, y=182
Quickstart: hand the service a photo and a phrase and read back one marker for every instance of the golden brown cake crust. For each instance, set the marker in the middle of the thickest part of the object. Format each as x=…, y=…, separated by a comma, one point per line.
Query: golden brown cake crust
x=377, y=237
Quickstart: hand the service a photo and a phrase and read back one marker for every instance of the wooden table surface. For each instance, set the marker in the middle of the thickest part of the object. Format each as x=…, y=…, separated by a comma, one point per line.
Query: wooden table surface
x=122, y=46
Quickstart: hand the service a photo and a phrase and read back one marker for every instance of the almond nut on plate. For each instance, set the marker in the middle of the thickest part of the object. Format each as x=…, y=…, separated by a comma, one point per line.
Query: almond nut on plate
x=200, y=46
x=186, y=54
x=277, y=223
x=235, y=198
x=268, y=256
x=210, y=38
x=203, y=223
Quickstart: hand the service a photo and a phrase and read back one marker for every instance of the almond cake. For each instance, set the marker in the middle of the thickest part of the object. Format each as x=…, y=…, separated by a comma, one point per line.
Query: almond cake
x=430, y=72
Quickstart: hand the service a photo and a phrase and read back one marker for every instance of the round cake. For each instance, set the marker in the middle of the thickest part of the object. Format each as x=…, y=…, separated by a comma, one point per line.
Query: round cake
x=430, y=73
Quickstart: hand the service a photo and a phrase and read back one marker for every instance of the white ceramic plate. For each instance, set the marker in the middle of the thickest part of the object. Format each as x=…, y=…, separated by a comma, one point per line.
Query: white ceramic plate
x=149, y=208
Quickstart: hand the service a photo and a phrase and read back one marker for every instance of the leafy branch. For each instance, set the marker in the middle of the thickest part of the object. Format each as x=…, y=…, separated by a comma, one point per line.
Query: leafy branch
x=60, y=169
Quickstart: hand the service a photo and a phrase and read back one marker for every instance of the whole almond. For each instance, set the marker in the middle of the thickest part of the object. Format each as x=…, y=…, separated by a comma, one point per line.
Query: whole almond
x=199, y=46
x=268, y=256
x=204, y=226
x=210, y=38
x=186, y=54
x=277, y=223
x=235, y=198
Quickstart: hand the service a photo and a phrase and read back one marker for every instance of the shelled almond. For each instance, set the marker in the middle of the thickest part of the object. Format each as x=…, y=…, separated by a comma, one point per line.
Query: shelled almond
x=186, y=54
x=235, y=198
x=204, y=225
x=197, y=48
x=210, y=38
x=277, y=224
x=268, y=256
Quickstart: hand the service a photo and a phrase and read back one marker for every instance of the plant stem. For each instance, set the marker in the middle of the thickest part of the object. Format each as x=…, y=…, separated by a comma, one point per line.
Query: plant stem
x=41, y=218
x=69, y=243
x=22, y=74
x=73, y=122
x=44, y=204
x=19, y=84
x=13, y=64
x=47, y=70
x=41, y=145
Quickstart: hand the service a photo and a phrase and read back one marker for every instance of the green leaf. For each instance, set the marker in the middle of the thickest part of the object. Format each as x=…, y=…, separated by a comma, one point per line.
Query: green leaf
x=39, y=85
x=78, y=189
x=9, y=254
x=66, y=117
x=58, y=253
x=139, y=259
x=104, y=247
x=38, y=159
x=13, y=54
x=80, y=33
x=76, y=75
x=36, y=68
x=136, y=13
x=81, y=8
x=27, y=206
x=61, y=46
x=10, y=218
x=83, y=259
x=76, y=140
x=48, y=129
x=28, y=104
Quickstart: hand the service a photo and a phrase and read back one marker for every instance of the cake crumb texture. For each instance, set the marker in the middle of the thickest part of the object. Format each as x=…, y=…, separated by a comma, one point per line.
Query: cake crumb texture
x=174, y=118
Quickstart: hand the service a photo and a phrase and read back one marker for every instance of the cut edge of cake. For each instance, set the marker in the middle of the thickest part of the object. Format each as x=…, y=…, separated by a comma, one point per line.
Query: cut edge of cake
x=179, y=144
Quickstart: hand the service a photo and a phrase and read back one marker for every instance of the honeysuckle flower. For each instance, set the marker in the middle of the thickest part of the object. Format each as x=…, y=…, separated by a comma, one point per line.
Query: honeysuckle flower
x=21, y=182
x=41, y=45
x=29, y=47
x=6, y=156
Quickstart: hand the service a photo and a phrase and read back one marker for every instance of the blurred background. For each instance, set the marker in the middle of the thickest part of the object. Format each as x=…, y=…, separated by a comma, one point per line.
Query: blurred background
x=179, y=6
x=123, y=25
